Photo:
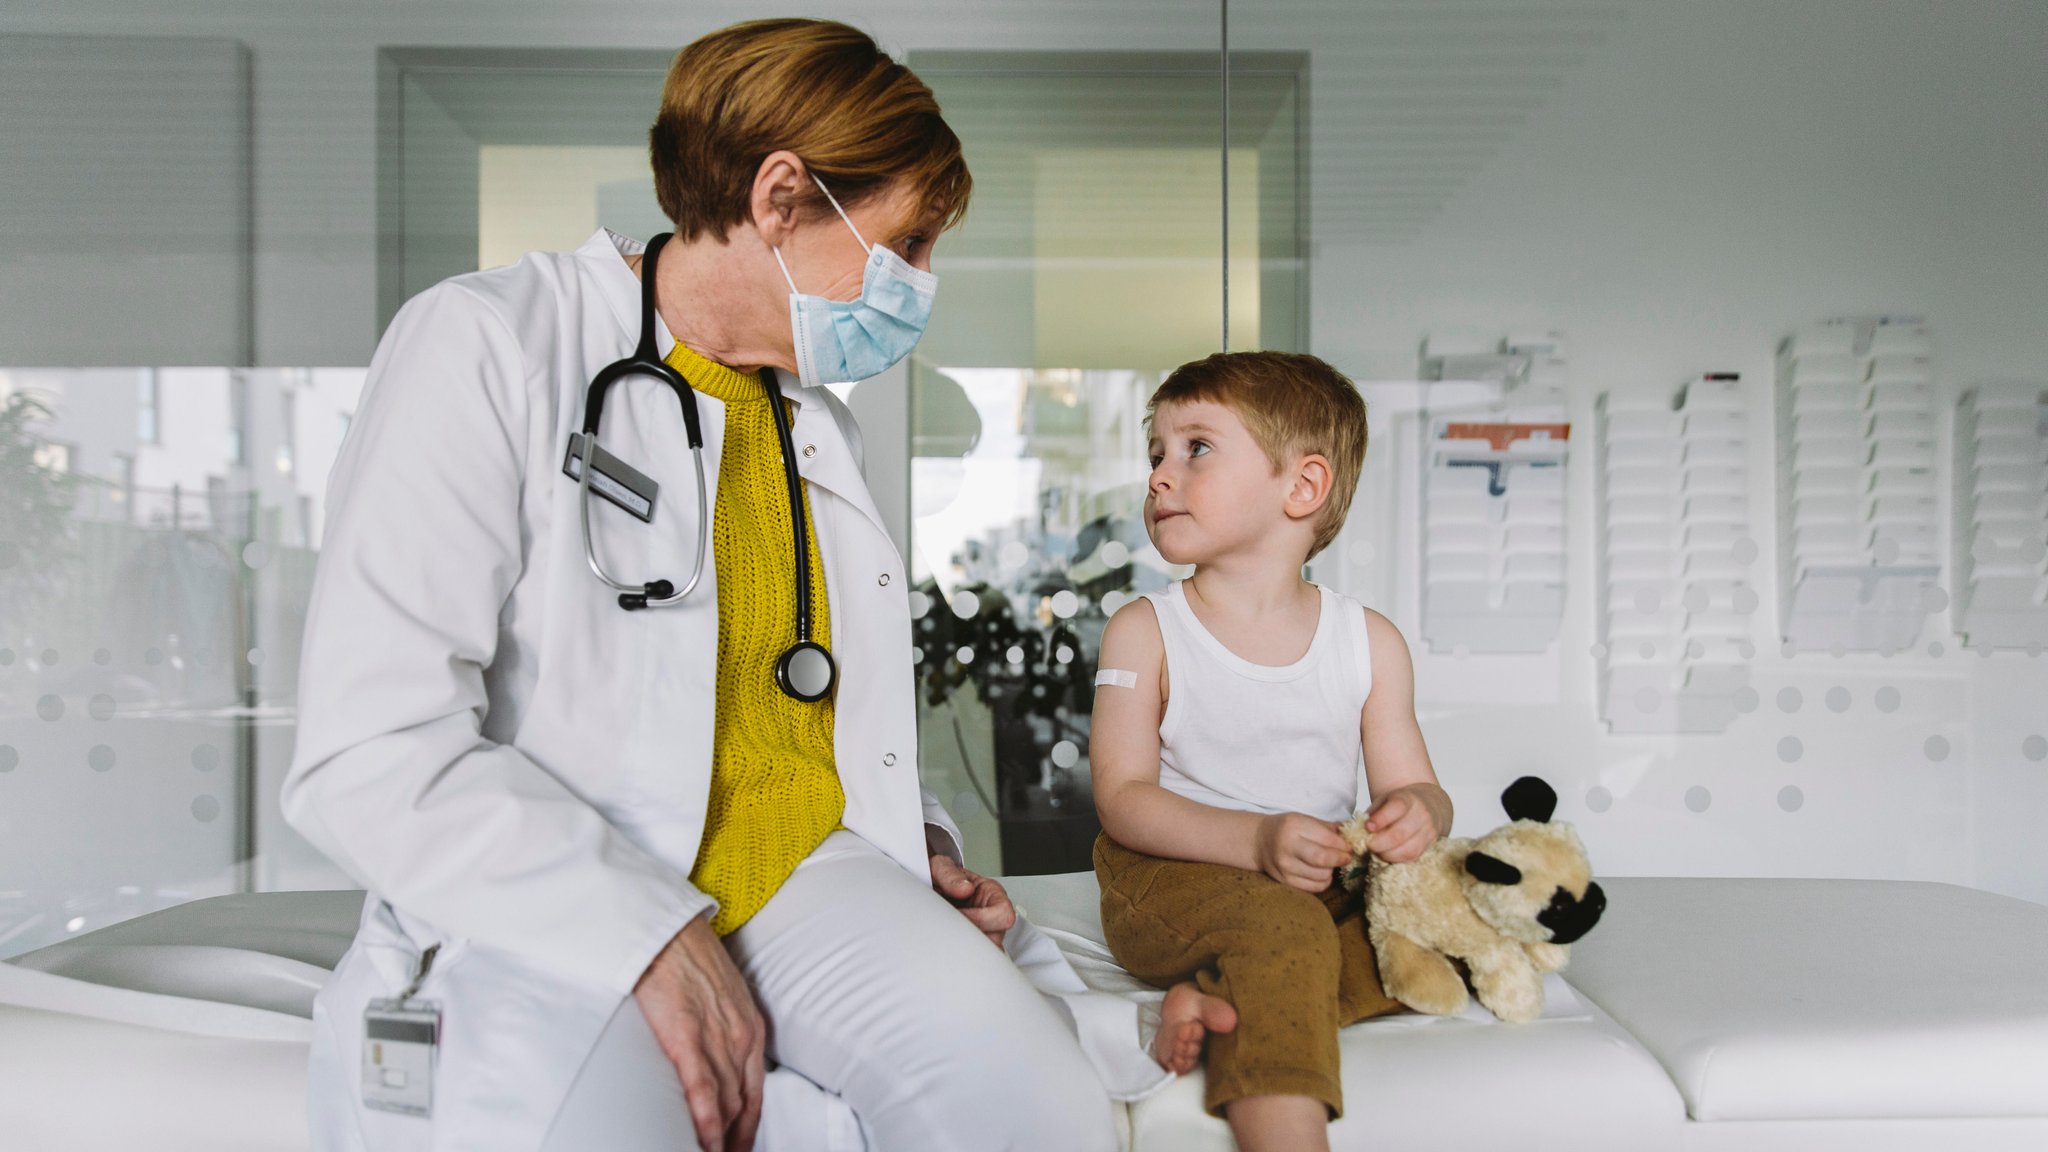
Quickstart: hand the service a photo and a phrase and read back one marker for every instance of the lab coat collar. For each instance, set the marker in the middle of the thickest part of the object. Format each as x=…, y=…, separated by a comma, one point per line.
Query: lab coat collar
x=622, y=292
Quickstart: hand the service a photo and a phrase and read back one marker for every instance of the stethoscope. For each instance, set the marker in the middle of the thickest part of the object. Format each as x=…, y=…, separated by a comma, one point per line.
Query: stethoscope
x=805, y=671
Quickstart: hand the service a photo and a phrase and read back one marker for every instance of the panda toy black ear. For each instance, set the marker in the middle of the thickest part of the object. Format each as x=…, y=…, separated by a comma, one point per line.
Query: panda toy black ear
x=1492, y=869
x=1529, y=799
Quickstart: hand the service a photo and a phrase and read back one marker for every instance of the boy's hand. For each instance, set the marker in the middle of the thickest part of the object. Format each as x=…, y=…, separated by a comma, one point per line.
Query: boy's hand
x=1402, y=826
x=1299, y=850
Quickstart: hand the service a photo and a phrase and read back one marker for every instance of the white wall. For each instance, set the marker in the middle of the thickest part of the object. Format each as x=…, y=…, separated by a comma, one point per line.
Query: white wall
x=1713, y=175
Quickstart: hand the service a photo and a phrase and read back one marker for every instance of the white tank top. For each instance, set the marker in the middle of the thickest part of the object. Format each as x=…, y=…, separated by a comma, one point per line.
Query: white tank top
x=1259, y=738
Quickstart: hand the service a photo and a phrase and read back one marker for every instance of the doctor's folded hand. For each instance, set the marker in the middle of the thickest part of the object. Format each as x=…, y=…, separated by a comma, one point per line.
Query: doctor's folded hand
x=981, y=899
x=704, y=1017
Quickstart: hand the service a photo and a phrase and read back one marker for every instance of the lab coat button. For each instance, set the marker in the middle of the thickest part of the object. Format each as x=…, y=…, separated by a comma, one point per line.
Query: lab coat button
x=810, y=450
x=883, y=579
x=888, y=759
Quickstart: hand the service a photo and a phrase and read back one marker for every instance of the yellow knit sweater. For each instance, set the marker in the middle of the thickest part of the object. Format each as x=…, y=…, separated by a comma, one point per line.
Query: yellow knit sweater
x=775, y=791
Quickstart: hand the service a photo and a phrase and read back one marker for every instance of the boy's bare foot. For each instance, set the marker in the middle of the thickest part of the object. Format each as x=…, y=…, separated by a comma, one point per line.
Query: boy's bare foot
x=1185, y=1020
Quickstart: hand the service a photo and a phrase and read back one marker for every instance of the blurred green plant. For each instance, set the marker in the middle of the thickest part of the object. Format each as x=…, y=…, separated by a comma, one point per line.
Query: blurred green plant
x=37, y=540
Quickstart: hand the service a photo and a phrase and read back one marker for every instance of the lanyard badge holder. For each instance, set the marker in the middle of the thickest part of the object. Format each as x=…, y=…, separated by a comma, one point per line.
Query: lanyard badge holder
x=401, y=1038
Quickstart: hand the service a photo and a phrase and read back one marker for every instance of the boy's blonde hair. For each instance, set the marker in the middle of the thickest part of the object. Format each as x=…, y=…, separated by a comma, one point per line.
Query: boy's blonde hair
x=1293, y=404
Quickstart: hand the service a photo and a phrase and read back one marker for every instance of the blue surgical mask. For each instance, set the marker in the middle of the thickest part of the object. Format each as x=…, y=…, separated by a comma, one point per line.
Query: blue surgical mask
x=840, y=341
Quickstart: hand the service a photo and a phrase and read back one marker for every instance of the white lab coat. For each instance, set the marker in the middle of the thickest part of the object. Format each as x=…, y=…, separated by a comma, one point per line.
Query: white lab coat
x=514, y=766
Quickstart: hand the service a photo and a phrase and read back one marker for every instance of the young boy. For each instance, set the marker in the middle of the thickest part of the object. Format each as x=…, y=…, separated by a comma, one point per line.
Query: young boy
x=1230, y=712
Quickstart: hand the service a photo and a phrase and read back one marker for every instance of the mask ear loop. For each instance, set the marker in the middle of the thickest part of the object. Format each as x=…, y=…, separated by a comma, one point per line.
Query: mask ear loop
x=785, y=270
x=864, y=245
x=829, y=199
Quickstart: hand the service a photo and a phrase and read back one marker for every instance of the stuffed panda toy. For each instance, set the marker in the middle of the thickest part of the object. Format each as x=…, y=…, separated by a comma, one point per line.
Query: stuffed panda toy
x=1507, y=905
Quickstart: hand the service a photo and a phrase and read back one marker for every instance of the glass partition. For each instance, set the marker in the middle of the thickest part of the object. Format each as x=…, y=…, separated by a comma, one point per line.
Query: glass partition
x=491, y=153
x=1090, y=265
x=158, y=530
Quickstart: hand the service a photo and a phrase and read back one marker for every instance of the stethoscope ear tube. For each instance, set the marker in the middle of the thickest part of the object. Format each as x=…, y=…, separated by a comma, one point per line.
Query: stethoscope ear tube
x=646, y=360
x=806, y=670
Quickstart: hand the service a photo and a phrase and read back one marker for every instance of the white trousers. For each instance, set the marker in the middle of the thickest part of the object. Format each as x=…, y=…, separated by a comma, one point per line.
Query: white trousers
x=882, y=998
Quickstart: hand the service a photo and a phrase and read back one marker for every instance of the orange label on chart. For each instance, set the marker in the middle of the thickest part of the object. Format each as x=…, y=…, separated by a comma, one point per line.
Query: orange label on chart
x=1499, y=436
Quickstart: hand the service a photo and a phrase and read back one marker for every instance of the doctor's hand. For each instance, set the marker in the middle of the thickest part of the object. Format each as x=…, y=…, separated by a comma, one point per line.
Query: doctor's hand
x=704, y=1016
x=979, y=898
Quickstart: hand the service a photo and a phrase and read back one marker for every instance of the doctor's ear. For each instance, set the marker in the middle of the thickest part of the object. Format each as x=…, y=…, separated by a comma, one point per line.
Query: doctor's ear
x=782, y=185
x=1310, y=488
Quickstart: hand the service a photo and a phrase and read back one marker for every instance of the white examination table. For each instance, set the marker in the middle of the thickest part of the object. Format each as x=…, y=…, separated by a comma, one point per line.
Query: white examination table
x=1701, y=1015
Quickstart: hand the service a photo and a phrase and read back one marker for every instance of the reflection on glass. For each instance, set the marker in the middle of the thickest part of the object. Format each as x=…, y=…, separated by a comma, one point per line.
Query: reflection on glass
x=1088, y=267
x=1027, y=498
x=507, y=151
x=159, y=530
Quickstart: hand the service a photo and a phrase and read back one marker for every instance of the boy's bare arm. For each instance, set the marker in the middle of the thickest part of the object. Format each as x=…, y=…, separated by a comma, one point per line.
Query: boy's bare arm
x=1410, y=809
x=1123, y=748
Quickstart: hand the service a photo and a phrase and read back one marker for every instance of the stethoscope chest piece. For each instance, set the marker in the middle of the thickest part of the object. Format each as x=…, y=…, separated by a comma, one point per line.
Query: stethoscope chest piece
x=806, y=671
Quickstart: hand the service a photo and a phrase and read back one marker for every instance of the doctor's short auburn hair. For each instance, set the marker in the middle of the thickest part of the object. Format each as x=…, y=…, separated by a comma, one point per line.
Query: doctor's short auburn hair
x=1293, y=405
x=818, y=88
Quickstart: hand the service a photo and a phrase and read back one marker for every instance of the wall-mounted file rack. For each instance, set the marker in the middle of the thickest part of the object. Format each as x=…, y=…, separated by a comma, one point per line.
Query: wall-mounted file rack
x=1674, y=600
x=1529, y=366
x=1493, y=562
x=1857, y=505
x=2000, y=556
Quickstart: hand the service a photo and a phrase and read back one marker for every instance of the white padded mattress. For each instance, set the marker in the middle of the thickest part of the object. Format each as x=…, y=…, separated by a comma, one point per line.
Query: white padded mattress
x=1795, y=1016
x=1828, y=999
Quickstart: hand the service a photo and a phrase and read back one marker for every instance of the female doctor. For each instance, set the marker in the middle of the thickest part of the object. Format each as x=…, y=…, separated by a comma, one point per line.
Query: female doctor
x=638, y=808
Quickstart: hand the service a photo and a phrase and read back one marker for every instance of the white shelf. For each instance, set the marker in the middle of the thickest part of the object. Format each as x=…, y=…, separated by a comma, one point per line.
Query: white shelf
x=2000, y=490
x=1675, y=598
x=1858, y=511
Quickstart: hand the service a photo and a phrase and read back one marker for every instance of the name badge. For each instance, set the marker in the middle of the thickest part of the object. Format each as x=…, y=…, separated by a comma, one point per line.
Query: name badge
x=613, y=479
x=400, y=1039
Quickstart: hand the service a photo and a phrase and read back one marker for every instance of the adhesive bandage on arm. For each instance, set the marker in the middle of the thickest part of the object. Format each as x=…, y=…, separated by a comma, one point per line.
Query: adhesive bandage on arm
x=1116, y=678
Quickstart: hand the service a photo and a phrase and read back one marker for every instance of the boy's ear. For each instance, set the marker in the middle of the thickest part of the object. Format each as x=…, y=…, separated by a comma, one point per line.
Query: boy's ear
x=1311, y=486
